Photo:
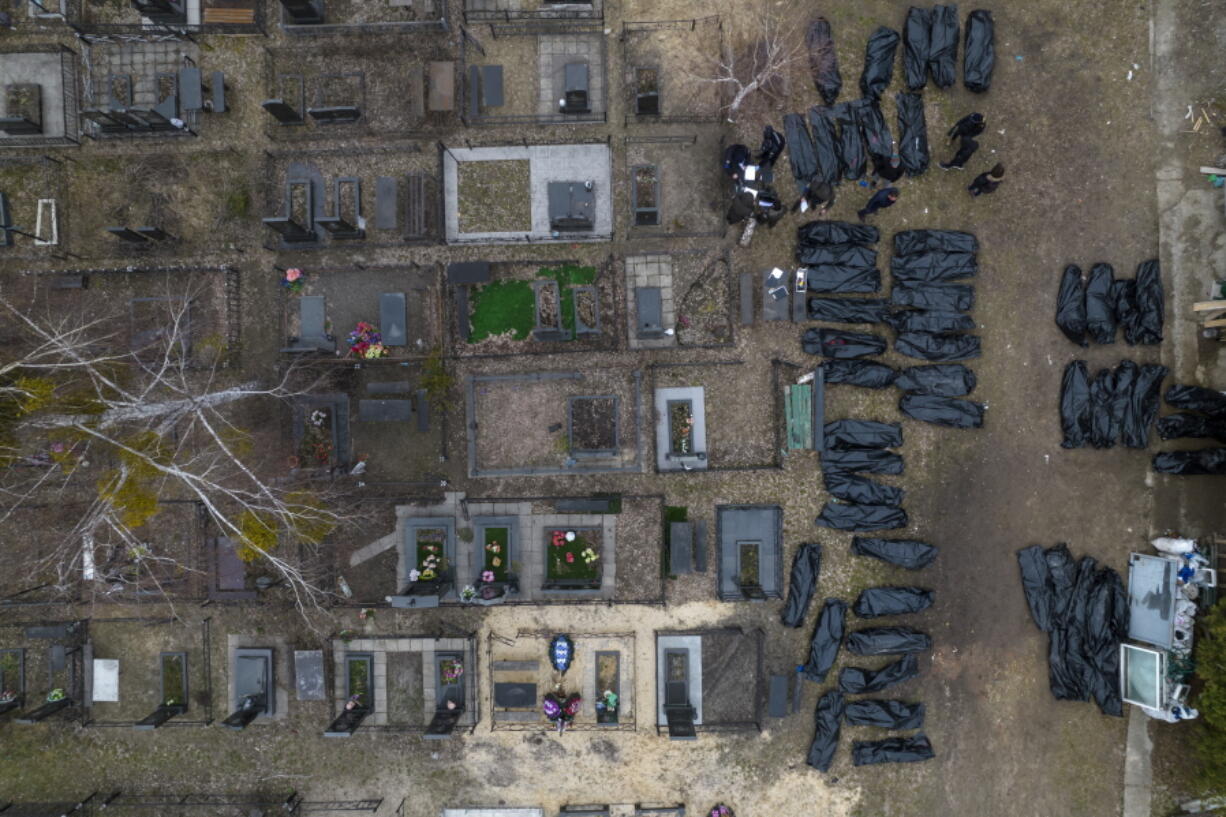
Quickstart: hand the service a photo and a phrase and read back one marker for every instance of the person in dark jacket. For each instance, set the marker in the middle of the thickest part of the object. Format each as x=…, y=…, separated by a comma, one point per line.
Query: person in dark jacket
x=890, y=170
x=741, y=208
x=970, y=125
x=818, y=196
x=966, y=149
x=735, y=159
x=880, y=200
x=987, y=182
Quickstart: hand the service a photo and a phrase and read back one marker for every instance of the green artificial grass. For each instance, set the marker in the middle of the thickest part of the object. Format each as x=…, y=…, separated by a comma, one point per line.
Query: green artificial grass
x=509, y=306
x=496, y=536
x=673, y=513
x=430, y=542
x=559, y=568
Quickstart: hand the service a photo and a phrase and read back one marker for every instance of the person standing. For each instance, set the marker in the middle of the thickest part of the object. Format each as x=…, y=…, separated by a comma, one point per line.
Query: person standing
x=972, y=124
x=880, y=200
x=966, y=149
x=987, y=182
x=818, y=196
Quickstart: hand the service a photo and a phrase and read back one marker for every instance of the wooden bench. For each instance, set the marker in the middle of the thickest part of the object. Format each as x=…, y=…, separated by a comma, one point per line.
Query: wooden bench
x=220, y=16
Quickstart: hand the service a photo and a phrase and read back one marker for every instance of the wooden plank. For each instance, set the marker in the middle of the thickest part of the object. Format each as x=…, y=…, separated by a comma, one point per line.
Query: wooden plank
x=1217, y=171
x=819, y=410
x=804, y=416
x=1214, y=323
x=1208, y=306
x=787, y=413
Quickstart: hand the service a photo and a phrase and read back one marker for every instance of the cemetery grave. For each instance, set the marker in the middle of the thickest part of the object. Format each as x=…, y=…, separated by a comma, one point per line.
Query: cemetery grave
x=352, y=16
x=39, y=96
x=661, y=63
x=494, y=10
x=495, y=197
x=668, y=191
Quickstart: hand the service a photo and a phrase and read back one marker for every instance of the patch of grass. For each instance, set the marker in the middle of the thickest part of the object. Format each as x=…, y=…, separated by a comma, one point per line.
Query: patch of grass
x=500, y=307
x=578, y=568
x=238, y=203
x=568, y=276
x=496, y=537
x=674, y=513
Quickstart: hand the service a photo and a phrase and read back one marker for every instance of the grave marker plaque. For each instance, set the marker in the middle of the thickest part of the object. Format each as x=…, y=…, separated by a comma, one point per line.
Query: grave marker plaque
x=282, y=112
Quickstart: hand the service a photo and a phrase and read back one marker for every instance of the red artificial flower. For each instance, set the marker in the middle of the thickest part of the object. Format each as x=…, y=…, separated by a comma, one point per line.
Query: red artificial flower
x=570, y=557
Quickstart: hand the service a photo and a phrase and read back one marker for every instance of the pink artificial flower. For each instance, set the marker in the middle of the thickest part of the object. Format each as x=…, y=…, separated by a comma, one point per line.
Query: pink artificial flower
x=570, y=557
x=293, y=274
x=487, y=576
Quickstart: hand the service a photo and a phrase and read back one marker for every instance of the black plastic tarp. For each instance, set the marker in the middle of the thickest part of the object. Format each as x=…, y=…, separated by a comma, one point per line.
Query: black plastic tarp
x=887, y=641
x=1150, y=303
x=852, y=256
x=979, y=56
x=891, y=601
x=891, y=750
x=943, y=46
x=1197, y=398
x=867, y=374
x=945, y=379
x=911, y=554
x=942, y=297
x=1071, y=305
x=806, y=567
x=832, y=278
x=1124, y=300
x=854, y=516
x=844, y=435
x=823, y=60
x=863, y=460
x=827, y=637
x=1103, y=426
x=874, y=129
x=951, y=412
x=940, y=348
x=852, y=157
x=825, y=141
x=1186, y=424
x=1142, y=406
x=912, y=133
x=878, y=62
x=911, y=242
x=855, y=488
x=1075, y=405
x=1100, y=306
x=849, y=310
x=915, y=47
x=928, y=320
x=1203, y=461
x=885, y=714
x=838, y=232
x=829, y=718
x=800, y=150
x=838, y=343
x=857, y=681
x=935, y=265
x=1084, y=610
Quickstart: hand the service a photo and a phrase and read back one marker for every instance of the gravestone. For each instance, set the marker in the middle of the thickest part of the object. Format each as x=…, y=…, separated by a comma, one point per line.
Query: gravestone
x=303, y=12
x=309, y=675
x=282, y=111
x=392, y=318
x=385, y=411
x=575, y=88
x=491, y=86
x=441, y=96
x=335, y=115
x=191, y=88
x=23, y=114
x=468, y=272
x=345, y=223
x=217, y=92
x=572, y=205
x=127, y=235
x=385, y=203
x=649, y=312
x=154, y=233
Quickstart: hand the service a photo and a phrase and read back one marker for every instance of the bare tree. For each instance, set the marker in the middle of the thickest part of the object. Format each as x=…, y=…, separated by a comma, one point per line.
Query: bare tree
x=774, y=46
x=120, y=428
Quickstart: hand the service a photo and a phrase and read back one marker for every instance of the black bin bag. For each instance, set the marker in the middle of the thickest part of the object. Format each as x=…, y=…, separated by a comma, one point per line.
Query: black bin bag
x=979, y=55
x=800, y=150
x=944, y=379
x=1071, y=305
x=827, y=637
x=913, y=242
x=852, y=156
x=884, y=714
x=887, y=641
x=951, y=412
x=806, y=566
x=941, y=297
x=1150, y=303
x=844, y=435
x=1197, y=398
x=851, y=487
x=931, y=346
x=823, y=60
x=915, y=47
x=1186, y=424
x=1100, y=306
x=943, y=46
x=912, y=133
x=1075, y=409
x=857, y=681
x=891, y=601
x=837, y=232
x=878, y=62
x=837, y=343
x=826, y=737
x=863, y=460
x=867, y=374
x=929, y=320
x=910, y=554
x=849, y=310
x=825, y=141
x=1202, y=462
x=856, y=517
x=891, y=750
